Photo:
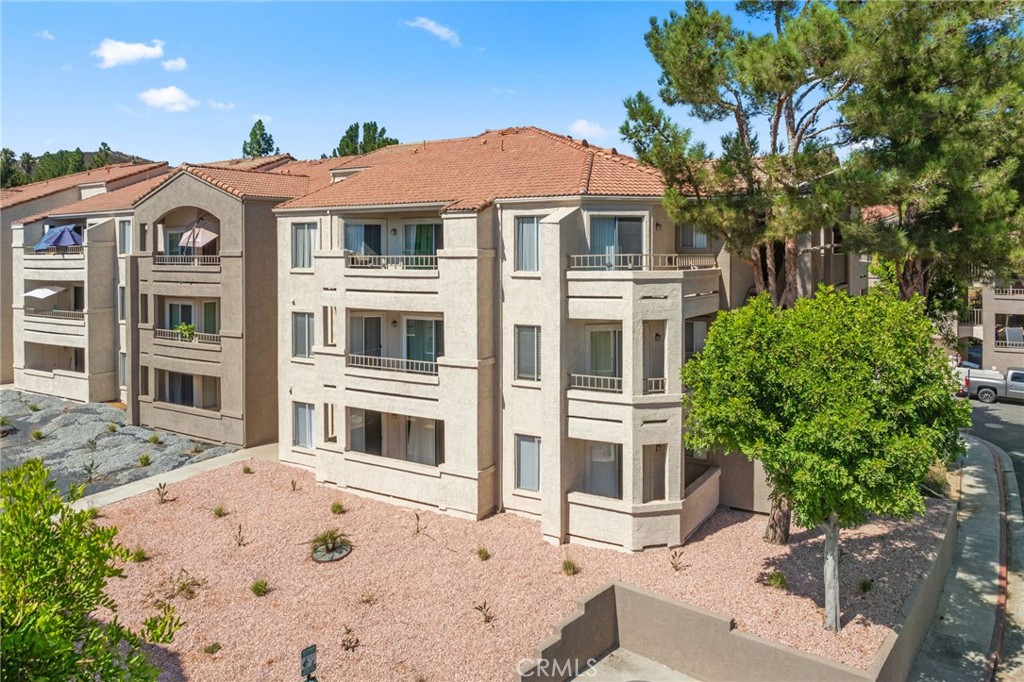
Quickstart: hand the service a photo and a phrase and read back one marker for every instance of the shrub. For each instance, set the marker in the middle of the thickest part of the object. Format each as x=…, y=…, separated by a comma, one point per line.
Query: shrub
x=485, y=611
x=295, y=486
x=53, y=634
x=137, y=555
x=91, y=444
x=5, y=421
x=935, y=482
x=569, y=567
x=111, y=427
x=240, y=539
x=154, y=438
x=247, y=469
x=329, y=541
x=866, y=585
x=161, y=493
x=337, y=507
x=180, y=584
x=482, y=554
x=220, y=511
x=92, y=513
x=196, y=449
x=777, y=579
x=32, y=407
x=212, y=648
x=37, y=435
x=145, y=460
x=259, y=587
x=349, y=641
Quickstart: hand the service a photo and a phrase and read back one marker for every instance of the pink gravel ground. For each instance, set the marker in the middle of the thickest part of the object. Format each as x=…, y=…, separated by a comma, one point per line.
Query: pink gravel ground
x=423, y=624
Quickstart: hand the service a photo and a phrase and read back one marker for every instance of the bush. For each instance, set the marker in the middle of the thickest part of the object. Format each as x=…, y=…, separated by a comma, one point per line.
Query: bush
x=247, y=469
x=866, y=585
x=32, y=407
x=337, y=507
x=935, y=482
x=49, y=632
x=220, y=511
x=5, y=421
x=145, y=460
x=212, y=648
x=569, y=567
x=482, y=554
x=154, y=438
x=259, y=587
x=137, y=555
x=37, y=435
x=111, y=428
x=777, y=579
x=329, y=541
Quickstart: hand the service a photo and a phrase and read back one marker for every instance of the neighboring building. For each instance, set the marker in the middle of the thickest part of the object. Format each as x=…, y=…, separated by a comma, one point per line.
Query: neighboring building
x=202, y=319
x=497, y=323
x=17, y=203
x=70, y=301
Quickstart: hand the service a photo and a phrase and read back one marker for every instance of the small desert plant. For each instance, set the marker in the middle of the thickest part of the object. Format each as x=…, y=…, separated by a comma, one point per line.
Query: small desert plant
x=90, y=471
x=485, y=611
x=37, y=435
x=569, y=567
x=154, y=438
x=935, y=482
x=676, y=560
x=247, y=469
x=240, y=539
x=137, y=555
x=220, y=511
x=182, y=584
x=259, y=587
x=91, y=444
x=349, y=641
x=330, y=541
x=482, y=554
x=196, y=449
x=145, y=460
x=777, y=579
x=419, y=527
x=111, y=428
x=32, y=407
x=368, y=597
x=5, y=421
x=295, y=486
x=212, y=648
x=337, y=507
x=92, y=513
x=161, y=492
x=866, y=585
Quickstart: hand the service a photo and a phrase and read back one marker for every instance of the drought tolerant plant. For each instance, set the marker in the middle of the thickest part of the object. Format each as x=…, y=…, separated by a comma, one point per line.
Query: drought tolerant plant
x=337, y=507
x=161, y=493
x=259, y=587
x=777, y=579
x=37, y=435
x=32, y=407
x=5, y=421
x=482, y=554
x=220, y=511
x=145, y=460
x=246, y=469
x=196, y=449
x=676, y=560
x=54, y=571
x=866, y=585
x=484, y=611
x=91, y=443
x=349, y=641
x=295, y=486
x=212, y=648
x=180, y=584
x=240, y=539
x=137, y=555
x=368, y=597
x=154, y=438
x=330, y=541
x=419, y=528
x=569, y=567
x=90, y=471
x=111, y=427
x=92, y=513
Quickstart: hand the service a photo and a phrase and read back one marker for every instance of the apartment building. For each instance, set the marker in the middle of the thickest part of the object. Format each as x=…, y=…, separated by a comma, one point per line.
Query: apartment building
x=497, y=323
x=17, y=203
x=71, y=294
x=202, y=319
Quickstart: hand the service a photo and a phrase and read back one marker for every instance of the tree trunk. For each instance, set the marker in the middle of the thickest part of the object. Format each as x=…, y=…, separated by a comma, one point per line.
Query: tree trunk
x=755, y=264
x=831, y=527
x=777, y=530
x=773, y=277
x=789, y=272
x=913, y=279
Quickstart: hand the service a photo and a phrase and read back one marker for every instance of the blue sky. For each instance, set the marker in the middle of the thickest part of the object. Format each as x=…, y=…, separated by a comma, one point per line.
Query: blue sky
x=185, y=81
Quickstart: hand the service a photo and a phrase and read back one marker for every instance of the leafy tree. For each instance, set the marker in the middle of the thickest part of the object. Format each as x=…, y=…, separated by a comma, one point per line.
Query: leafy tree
x=10, y=175
x=373, y=138
x=54, y=567
x=75, y=162
x=102, y=157
x=51, y=165
x=844, y=400
x=260, y=143
x=938, y=118
x=27, y=163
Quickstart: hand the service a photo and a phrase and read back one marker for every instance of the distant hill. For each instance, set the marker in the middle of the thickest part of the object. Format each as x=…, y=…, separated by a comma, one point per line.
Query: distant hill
x=21, y=169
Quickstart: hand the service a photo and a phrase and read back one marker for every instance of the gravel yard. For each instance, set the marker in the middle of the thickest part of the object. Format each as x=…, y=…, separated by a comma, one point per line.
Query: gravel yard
x=409, y=596
x=81, y=438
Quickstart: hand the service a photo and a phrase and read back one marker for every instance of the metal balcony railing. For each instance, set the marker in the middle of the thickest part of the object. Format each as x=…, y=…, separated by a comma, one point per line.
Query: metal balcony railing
x=74, y=249
x=165, y=259
x=591, y=382
x=400, y=262
x=654, y=385
x=642, y=261
x=1015, y=345
x=175, y=335
x=57, y=314
x=392, y=364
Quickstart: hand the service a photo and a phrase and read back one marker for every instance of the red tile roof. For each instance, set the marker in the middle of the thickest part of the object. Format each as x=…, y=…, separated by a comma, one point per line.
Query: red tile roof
x=467, y=174
x=36, y=190
x=870, y=214
x=252, y=184
x=254, y=163
x=108, y=202
x=318, y=171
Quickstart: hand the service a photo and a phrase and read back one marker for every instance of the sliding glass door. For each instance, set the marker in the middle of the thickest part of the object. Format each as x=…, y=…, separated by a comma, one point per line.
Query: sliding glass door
x=364, y=335
x=617, y=239
x=424, y=441
x=424, y=339
x=363, y=239
x=606, y=352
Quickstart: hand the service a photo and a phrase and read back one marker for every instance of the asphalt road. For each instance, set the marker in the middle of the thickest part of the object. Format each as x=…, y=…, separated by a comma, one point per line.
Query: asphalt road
x=1002, y=423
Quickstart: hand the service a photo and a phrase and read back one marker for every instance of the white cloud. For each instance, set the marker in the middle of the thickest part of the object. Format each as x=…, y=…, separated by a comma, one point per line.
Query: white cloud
x=178, y=64
x=45, y=35
x=221, y=106
x=262, y=117
x=115, y=53
x=581, y=127
x=434, y=28
x=171, y=98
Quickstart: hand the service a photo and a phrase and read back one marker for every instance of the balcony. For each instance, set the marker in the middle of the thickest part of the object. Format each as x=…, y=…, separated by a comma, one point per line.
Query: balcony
x=388, y=262
x=650, y=262
x=195, y=337
x=1010, y=345
x=971, y=317
x=1013, y=292
x=593, y=382
x=57, y=314
x=392, y=364
x=186, y=261
x=654, y=385
x=73, y=250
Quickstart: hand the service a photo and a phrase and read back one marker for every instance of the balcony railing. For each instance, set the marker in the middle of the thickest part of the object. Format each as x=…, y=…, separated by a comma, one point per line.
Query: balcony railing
x=177, y=259
x=175, y=335
x=972, y=316
x=642, y=261
x=654, y=385
x=1014, y=345
x=590, y=382
x=57, y=314
x=75, y=249
x=1009, y=291
x=392, y=364
x=375, y=262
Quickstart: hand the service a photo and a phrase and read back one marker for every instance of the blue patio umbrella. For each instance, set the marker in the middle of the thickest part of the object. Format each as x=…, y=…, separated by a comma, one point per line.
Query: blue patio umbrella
x=63, y=235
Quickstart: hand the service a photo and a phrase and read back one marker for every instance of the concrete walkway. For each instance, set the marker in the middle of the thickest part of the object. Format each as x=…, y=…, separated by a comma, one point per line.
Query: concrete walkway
x=966, y=634
x=121, y=492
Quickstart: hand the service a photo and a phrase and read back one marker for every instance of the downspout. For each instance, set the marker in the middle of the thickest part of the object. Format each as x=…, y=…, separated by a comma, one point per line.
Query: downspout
x=499, y=365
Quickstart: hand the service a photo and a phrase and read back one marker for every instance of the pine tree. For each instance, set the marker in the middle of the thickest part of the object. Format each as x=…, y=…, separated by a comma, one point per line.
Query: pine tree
x=260, y=142
x=75, y=162
x=27, y=163
x=373, y=138
x=102, y=157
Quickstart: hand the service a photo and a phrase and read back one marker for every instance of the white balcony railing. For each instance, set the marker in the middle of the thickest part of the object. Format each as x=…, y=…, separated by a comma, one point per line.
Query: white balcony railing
x=402, y=262
x=165, y=259
x=175, y=335
x=654, y=385
x=1008, y=291
x=392, y=364
x=1014, y=345
x=972, y=317
x=57, y=314
x=74, y=249
x=591, y=382
x=642, y=261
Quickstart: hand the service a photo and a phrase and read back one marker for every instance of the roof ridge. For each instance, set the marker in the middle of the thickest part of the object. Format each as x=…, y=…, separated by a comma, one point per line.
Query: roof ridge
x=588, y=169
x=605, y=153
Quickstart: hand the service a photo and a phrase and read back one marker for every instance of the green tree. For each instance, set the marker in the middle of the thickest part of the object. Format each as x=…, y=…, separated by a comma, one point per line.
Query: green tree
x=75, y=162
x=27, y=163
x=373, y=137
x=51, y=165
x=10, y=174
x=844, y=400
x=54, y=568
x=260, y=142
x=102, y=157
x=938, y=119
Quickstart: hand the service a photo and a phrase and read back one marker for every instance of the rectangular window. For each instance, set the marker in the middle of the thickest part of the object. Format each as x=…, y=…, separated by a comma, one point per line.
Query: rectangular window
x=180, y=389
x=654, y=472
x=120, y=303
x=78, y=360
x=528, y=463
x=363, y=239
x=143, y=380
x=527, y=244
x=330, y=428
x=302, y=425
x=604, y=470
x=303, y=239
x=690, y=237
x=424, y=339
x=178, y=313
x=330, y=314
x=122, y=369
x=365, y=433
x=302, y=335
x=364, y=335
x=211, y=318
x=143, y=308
x=124, y=236
x=143, y=232
x=606, y=353
x=612, y=236
x=172, y=242
x=527, y=352
x=211, y=393
x=695, y=332
x=423, y=241
x=424, y=441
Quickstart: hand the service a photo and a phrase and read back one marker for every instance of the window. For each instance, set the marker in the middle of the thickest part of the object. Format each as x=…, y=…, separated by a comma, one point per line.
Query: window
x=527, y=350
x=365, y=433
x=78, y=359
x=613, y=236
x=143, y=380
x=302, y=335
x=423, y=240
x=124, y=236
x=120, y=303
x=179, y=389
x=303, y=237
x=211, y=393
x=528, y=463
x=604, y=469
x=695, y=332
x=172, y=241
x=654, y=472
x=143, y=308
x=330, y=428
x=690, y=237
x=606, y=352
x=211, y=318
x=424, y=441
x=363, y=239
x=424, y=339
x=527, y=244
x=178, y=313
x=122, y=369
x=330, y=314
x=364, y=335
x=302, y=425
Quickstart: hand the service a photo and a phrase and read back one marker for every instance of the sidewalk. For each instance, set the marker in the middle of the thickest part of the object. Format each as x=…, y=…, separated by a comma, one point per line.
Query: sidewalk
x=121, y=492
x=967, y=631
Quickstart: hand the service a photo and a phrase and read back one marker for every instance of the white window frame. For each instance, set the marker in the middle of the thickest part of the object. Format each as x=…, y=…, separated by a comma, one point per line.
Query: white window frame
x=121, y=301
x=179, y=302
x=168, y=231
x=588, y=481
x=537, y=344
x=517, y=247
x=589, y=350
x=406, y=224
x=202, y=315
x=122, y=369
x=645, y=230
x=296, y=405
x=362, y=229
x=310, y=331
x=694, y=231
x=518, y=439
x=124, y=236
x=422, y=318
x=311, y=229
x=362, y=349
